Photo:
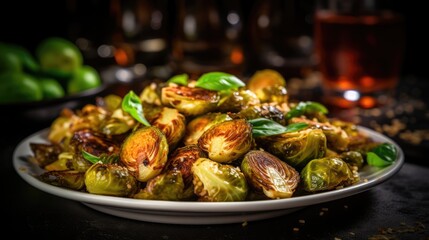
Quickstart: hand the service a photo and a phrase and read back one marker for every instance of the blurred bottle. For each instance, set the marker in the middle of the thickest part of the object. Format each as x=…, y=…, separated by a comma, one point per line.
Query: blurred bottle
x=92, y=27
x=281, y=36
x=128, y=37
x=208, y=37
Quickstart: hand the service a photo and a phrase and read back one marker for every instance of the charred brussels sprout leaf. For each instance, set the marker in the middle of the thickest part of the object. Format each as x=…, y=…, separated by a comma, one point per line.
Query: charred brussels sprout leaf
x=219, y=81
x=326, y=174
x=216, y=182
x=266, y=127
x=71, y=179
x=181, y=79
x=144, y=153
x=133, y=105
x=383, y=155
x=268, y=174
x=306, y=107
x=110, y=179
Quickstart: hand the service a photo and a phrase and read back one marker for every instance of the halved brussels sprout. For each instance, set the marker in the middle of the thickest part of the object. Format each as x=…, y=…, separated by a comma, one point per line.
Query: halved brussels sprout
x=296, y=148
x=269, y=85
x=197, y=126
x=238, y=100
x=216, y=182
x=110, y=179
x=150, y=94
x=269, y=175
x=191, y=101
x=166, y=186
x=172, y=124
x=272, y=111
x=227, y=141
x=336, y=138
x=144, y=152
x=44, y=154
x=182, y=160
x=326, y=174
x=69, y=161
x=353, y=158
x=68, y=179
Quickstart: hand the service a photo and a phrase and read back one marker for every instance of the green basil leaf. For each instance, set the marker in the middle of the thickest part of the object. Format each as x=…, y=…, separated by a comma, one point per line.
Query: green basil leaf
x=102, y=158
x=181, y=79
x=219, y=81
x=88, y=156
x=266, y=127
x=382, y=155
x=306, y=107
x=133, y=105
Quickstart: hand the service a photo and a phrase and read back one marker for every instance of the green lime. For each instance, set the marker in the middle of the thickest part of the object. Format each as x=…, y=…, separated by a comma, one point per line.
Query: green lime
x=59, y=57
x=19, y=87
x=84, y=78
x=9, y=61
x=51, y=88
x=26, y=60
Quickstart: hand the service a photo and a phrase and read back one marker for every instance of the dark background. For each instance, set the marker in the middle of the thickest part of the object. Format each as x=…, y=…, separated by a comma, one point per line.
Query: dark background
x=29, y=22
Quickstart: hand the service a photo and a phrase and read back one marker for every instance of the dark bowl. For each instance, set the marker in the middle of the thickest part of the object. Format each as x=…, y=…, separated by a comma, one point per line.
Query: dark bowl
x=42, y=113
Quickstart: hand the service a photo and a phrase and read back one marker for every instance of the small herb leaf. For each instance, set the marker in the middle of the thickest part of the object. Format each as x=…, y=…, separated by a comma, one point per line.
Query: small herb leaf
x=383, y=155
x=181, y=79
x=306, y=107
x=266, y=127
x=219, y=81
x=132, y=105
x=88, y=156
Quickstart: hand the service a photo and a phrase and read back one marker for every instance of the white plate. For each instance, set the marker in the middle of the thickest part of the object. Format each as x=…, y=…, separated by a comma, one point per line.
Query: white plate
x=199, y=212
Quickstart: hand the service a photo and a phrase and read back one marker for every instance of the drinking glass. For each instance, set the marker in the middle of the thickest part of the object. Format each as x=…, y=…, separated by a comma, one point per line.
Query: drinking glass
x=359, y=46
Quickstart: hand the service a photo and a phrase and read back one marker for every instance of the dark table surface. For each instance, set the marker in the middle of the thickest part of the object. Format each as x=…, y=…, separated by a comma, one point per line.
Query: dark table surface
x=395, y=209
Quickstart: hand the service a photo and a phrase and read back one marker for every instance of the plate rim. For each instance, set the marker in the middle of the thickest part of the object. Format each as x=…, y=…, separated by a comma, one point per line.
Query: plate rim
x=23, y=169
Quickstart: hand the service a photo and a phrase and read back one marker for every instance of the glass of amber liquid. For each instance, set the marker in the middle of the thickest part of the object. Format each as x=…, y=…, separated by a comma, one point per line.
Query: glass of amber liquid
x=359, y=45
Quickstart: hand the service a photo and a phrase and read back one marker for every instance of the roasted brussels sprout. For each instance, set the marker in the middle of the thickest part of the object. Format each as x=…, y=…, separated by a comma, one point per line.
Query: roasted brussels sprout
x=166, y=186
x=68, y=179
x=110, y=179
x=44, y=154
x=144, y=152
x=296, y=148
x=227, y=141
x=93, y=142
x=216, y=182
x=268, y=85
x=191, y=101
x=182, y=160
x=172, y=124
x=353, y=158
x=269, y=175
x=68, y=161
x=151, y=94
x=197, y=126
x=326, y=174
x=336, y=138
x=238, y=100
x=270, y=111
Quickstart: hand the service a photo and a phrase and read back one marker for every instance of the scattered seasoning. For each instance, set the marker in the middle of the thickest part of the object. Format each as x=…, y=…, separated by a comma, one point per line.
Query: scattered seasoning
x=295, y=229
x=352, y=233
x=244, y=224
x=321, y=213
x=302, y=221
x=325, y=209
x=337, y=238
x=390, y=233
x=346, y=206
